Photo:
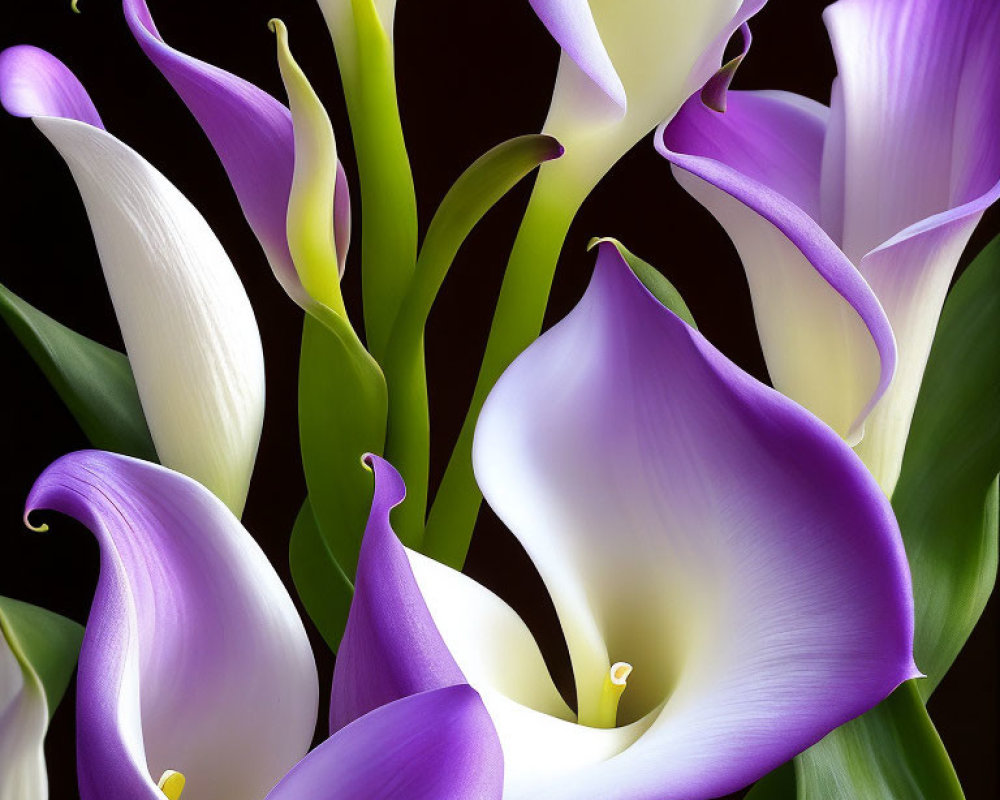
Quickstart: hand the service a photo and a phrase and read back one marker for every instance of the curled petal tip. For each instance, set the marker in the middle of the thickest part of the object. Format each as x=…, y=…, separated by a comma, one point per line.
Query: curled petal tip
x=43, y=528
x=34, y=83
x=714, y=93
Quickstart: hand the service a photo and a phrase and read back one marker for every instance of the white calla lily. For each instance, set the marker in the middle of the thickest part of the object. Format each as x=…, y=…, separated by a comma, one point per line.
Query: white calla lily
x=188, y=327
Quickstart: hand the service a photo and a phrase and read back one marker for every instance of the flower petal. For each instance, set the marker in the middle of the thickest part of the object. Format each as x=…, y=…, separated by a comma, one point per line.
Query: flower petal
x=661, y=51
x=187, y=323
x=541, y=741
x=33, y=84
x=391, y=648
x=572, y=25
x=826, y=338
x=194, y=658
x=437, y=745
x=252, y=134
x=24, y=719
x=700, y=526
x=918, y=163
x=920, y=107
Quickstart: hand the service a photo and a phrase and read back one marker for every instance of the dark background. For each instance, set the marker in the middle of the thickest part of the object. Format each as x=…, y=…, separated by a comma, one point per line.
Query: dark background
x=471, y=74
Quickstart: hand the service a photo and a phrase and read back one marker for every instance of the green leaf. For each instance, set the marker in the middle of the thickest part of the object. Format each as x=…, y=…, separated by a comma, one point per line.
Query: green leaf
x=44, y=643
x=654, y=280
x=890, y=753
x=475, y=192
x=946, y=498
x=342, y=416
x=324, y=589
x=94, y=381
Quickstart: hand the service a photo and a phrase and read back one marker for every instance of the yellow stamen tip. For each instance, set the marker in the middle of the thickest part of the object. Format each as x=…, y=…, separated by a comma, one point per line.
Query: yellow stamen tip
x=615, y=680
x=618, y=675
x=171, y=784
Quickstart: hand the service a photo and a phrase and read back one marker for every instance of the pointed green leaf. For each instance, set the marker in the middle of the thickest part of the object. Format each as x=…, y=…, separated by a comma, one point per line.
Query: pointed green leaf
x=946, y=498
x=44, y=643
x=322, y=586
x=654, y=280
x=890, y=753
x=342, y=416
x=94, y=381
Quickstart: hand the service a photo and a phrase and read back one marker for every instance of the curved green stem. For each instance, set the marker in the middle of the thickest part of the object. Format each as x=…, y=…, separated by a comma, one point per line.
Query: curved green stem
x=517, y=321
x=388, y=200
x=475, y=192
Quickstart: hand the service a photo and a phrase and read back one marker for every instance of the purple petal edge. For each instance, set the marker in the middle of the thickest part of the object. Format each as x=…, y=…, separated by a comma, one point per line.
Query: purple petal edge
x=250, y=131
x=34, y=83
x=571, y=24
x=391, y=646
x=436, y=745
x=679, y=135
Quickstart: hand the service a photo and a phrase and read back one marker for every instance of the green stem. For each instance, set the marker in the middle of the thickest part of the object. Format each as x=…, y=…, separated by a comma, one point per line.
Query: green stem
x=517, y=321
x=408, y=436
x=388, y=200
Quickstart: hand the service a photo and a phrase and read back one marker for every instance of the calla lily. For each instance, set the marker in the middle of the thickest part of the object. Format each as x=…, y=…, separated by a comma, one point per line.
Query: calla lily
x=196, y=673
x=850, y=220
x=185, y=317
x=626, y=67
x=729, y=577
x=254, y=137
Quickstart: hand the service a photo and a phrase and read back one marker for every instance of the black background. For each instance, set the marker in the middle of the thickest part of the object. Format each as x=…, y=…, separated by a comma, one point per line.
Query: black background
x=471, y=74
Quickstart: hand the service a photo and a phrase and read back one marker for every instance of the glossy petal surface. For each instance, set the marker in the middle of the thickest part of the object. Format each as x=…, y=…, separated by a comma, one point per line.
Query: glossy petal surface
x=194, y=658
x=251, y=133
x=187, y=323
x=391, y=647
x=705, y=529
x=826, y=338
x=437, y=745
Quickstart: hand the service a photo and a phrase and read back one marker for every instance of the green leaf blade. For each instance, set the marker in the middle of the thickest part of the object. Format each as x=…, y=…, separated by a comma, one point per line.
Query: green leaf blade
x=46, y=643
x=93, y=381
x=342, y=416
x=891, y=753
x=324, y=589
x=946, y=499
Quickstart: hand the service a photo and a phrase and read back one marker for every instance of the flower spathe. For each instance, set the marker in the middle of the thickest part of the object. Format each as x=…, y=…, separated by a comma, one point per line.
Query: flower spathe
x=688, y=522
x=196, y=677
x=186, y=320
x=887, y=183
x=194, y=658
x=252, y=133
x=626, y=67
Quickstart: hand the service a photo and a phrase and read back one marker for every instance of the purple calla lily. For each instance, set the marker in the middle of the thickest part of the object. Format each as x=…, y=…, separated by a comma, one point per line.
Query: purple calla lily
x=850, y=220
x=196, y=674
x=729, y=577
x=253, y=136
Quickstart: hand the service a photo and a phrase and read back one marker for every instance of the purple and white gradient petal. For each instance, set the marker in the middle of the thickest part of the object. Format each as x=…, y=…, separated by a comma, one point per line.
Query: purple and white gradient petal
x=251, y=133
x=689, y=521
x=436, y=745
x=194, y=657
x=627, y=65
x=185, y=317
x=909, y=161
x=826, y=338
x=389, y=624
